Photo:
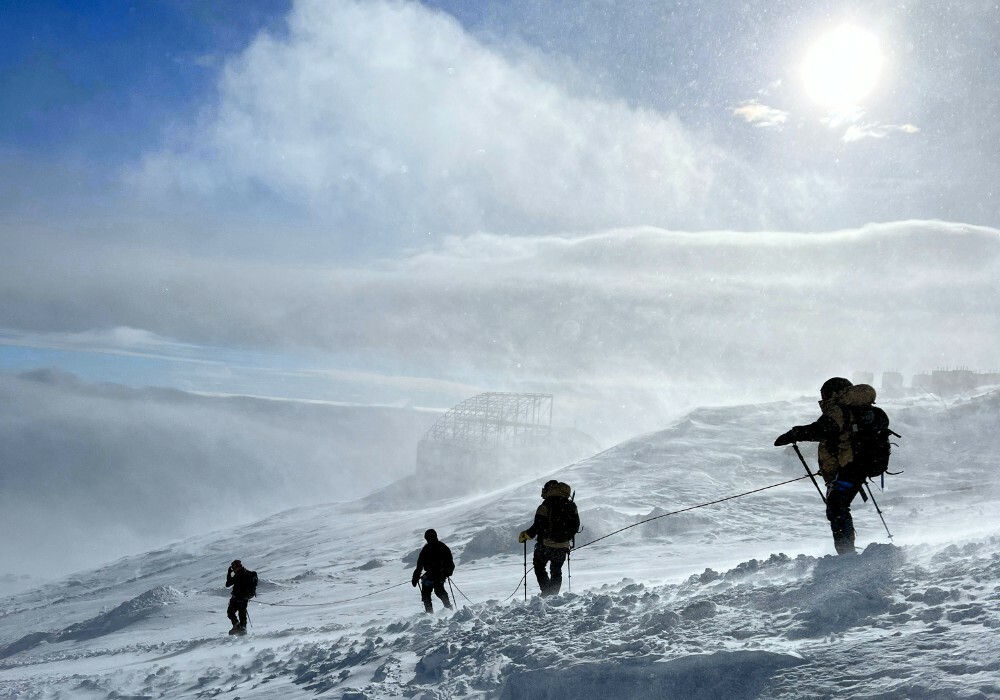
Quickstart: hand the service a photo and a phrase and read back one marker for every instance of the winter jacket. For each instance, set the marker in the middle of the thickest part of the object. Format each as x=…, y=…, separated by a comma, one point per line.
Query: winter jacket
x=831, y=431
x=556, y=498
x=242, y=583
x=435, y=559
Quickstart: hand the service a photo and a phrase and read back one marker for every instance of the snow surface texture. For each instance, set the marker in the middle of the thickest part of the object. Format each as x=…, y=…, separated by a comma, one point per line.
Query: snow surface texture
x=740, y=599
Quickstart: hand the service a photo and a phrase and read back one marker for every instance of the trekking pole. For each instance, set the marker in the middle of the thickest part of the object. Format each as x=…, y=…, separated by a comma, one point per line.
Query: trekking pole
x=808, y=471
x=569, y=572
x=878, y=510
x=572, y=543
x=525, y=571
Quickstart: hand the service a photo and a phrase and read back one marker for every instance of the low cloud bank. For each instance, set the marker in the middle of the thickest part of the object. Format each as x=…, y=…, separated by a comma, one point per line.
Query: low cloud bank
x=626, y=309
x=93, y=472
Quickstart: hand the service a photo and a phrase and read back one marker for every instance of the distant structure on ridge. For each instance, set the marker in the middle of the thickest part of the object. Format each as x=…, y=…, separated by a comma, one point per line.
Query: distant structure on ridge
x=495, y=437
x=493, y=420
x=940, y=381
x=954, y=381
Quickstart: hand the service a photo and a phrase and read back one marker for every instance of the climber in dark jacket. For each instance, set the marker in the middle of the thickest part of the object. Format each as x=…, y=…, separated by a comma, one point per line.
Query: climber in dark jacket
x=437, y=565
x=244, y=585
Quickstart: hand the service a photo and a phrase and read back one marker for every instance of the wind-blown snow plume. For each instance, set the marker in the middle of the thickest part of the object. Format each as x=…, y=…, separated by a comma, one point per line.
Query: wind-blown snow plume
x=388, y=119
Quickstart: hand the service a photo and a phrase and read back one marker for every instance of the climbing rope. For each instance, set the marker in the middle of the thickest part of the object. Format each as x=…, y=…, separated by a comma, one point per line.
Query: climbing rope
x=523, y=579
x=332, y=602
x=474, y=613
x=664, y=515
x=684, y=510
x=451, y=587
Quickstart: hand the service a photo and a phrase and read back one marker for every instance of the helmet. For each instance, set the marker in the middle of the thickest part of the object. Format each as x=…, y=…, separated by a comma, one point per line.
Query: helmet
x=548, y=484
x=833, y=386
x=431, y=536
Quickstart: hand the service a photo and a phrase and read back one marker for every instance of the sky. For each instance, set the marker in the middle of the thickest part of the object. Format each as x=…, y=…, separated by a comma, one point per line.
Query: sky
x=638, y=207
x=266, y=189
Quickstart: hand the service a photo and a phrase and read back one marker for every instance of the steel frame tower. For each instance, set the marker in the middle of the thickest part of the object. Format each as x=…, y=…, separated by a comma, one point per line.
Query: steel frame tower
x=495, y=420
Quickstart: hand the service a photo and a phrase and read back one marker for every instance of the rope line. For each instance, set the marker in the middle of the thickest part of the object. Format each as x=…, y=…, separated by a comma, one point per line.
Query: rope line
x=332, y=602
x=532, y=568
x=684, y=510
x=451, y=583
x=524, y=576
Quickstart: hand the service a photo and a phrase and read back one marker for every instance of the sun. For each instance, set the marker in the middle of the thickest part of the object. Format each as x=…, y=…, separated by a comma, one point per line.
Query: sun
x=842, y=67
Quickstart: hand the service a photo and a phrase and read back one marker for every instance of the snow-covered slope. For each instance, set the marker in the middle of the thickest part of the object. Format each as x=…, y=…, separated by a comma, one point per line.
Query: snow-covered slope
x=737, y=599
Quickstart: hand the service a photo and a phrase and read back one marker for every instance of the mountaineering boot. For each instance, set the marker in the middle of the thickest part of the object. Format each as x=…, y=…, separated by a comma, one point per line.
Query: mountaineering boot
x=845, y=547
x=235, y=629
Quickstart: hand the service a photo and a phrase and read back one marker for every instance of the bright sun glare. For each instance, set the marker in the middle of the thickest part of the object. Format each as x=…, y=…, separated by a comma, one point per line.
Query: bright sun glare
x=842, y=67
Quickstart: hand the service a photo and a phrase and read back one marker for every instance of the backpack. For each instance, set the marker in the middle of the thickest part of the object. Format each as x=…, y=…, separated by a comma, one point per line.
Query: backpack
x=564, y=519
x=253, y=584
x=868, y=429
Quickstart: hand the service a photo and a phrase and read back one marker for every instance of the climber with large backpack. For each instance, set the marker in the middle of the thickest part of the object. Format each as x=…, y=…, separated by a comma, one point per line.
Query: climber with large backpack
x=556, y=523
x=853, y=436
x=244, y=585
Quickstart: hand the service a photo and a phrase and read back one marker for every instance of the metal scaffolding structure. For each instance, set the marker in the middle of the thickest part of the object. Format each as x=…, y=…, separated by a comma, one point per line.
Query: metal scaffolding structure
x=495, y=419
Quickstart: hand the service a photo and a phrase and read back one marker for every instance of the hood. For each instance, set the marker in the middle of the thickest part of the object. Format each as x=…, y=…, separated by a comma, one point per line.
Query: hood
x=858, y=395
x=559, y=490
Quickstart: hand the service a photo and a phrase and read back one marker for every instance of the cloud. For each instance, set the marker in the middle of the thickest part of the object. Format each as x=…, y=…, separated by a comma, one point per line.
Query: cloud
x=843, y=117
x=387, y=119
x=92, y=472
x=120, y=340
x=638, y=310
x=760, y=115
x=856, y=132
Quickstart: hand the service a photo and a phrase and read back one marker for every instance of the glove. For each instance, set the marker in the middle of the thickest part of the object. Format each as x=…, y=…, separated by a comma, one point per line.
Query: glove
x=415, y=579
x=785, y=438
x=523, y=537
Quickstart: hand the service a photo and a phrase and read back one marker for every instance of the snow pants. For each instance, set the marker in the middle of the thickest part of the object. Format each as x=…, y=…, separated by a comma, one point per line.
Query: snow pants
x=237, y=606
x=839, y=495
x=549, y=582
x=426, y=586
